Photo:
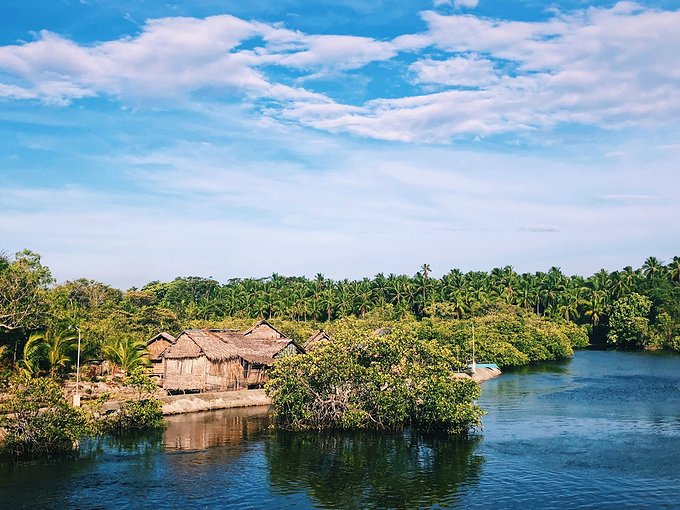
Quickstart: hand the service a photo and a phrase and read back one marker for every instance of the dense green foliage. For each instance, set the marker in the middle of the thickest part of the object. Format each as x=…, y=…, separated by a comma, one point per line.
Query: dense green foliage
x=40, y=421
x=135, y=415
x=628, y=323
x=141, y=413
x=115, y=323
x=367, y=381
x=381, y=373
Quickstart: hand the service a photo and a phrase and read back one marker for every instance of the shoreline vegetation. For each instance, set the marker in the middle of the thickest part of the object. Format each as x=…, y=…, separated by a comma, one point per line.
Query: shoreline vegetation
x=396, y=343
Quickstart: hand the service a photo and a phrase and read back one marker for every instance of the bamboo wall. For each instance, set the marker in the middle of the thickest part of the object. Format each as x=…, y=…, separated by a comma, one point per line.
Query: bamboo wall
x=227, y=375
x=290, y=350
x=185, y=374
x=256, y=375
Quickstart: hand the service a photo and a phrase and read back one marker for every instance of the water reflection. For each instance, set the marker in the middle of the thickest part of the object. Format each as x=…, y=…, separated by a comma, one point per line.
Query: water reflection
x=605, y=434
x=198, y=431
x=394, y=470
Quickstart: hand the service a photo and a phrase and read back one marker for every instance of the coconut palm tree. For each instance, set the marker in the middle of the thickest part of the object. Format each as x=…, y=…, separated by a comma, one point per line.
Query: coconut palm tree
x=127, y=353
x=595, y=307
x=30, y=362
x=50, y=348
x=674, y=269
x=570, y=301
x=651, y=267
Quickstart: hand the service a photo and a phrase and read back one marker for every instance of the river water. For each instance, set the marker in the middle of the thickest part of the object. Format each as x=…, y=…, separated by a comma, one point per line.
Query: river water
x=601, y=430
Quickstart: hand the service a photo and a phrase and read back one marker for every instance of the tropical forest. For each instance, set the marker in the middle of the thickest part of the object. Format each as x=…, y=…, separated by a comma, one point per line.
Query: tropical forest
x=518, y=318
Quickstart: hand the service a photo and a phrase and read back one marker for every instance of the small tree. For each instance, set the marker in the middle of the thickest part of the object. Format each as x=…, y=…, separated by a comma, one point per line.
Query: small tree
x=127, y=353
x=48, y=349
x=143, y=413
x=40, y=421
x=23, y=282
x=628, y=322
x=364, y=381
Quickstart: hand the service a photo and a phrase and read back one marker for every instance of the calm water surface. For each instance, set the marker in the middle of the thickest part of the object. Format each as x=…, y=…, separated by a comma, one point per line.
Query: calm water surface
x=599, y=431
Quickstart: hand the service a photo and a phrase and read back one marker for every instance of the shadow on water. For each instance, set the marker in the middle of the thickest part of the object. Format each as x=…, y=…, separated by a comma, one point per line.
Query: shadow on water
x=552, y=367
x=52, y=482
x=373, y=470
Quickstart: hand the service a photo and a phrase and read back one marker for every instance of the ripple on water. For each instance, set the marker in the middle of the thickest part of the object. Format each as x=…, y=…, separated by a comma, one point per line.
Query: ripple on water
x=601, y=431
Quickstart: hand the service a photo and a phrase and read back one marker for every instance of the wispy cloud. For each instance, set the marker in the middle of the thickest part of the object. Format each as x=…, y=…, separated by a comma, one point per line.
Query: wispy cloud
x=541, y=229
x=627, y=197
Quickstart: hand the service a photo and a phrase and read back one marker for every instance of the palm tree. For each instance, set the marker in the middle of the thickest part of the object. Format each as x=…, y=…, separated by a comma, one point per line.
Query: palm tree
x=652, y=267
x=127, y=353
x=674, y=269
x=54, y=349
x=425, y=274
x=30, y=363
x=527, y=293
x=570, y=302
x=595, y=307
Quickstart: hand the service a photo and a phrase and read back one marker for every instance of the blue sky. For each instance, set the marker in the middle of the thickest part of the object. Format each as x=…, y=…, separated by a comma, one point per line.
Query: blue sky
x=143, y=140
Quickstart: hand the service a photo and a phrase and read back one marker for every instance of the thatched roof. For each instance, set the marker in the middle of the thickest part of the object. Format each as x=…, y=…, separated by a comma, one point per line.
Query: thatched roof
x=161, y=336
x=316, y=338
x=264, y=329
x=222, y=345
x=193, y=343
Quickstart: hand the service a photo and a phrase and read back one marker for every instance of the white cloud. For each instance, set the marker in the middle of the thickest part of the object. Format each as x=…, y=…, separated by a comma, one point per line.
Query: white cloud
x=613, y=68
x=337, y=52
x=468, y=4
x=457, y=71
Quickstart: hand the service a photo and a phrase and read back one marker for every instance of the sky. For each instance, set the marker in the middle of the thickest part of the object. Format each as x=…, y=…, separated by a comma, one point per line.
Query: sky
x=142, y=140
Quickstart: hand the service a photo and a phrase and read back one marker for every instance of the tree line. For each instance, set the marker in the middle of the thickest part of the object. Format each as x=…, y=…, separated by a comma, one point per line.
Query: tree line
x=628, y=308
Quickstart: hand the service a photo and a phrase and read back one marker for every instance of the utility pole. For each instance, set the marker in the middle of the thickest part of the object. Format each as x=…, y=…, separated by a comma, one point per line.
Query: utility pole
x=474, y=365
x=76, y=397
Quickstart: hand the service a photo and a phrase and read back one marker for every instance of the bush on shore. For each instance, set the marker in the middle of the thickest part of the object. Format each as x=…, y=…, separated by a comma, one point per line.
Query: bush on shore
x=39, y=420
x=366, y=381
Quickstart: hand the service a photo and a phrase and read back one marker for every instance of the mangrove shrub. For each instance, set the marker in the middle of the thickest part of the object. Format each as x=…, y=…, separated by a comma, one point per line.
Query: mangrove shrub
x=363, y=380
x=40, y=421
x=145, y=412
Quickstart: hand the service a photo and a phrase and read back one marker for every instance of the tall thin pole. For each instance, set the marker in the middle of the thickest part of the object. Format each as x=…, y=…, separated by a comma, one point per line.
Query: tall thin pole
x=474, y=365
x=76, y=397
x=78, y=365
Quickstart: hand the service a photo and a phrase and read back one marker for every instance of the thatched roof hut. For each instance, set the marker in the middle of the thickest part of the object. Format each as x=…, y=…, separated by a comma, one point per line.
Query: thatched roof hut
x=213, y=360
x=158, y=344
x=264, y=329
x=316, y=340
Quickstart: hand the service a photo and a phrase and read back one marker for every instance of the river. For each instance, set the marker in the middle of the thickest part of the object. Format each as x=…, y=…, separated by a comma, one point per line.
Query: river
x=601, y=430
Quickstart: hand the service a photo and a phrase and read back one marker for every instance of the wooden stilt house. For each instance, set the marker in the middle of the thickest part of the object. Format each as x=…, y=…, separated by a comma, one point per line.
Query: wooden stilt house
x=155, y=346
x=219, y=360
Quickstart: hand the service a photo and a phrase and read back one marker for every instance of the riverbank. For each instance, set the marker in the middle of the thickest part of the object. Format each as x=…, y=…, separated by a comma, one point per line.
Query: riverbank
x=197, y=402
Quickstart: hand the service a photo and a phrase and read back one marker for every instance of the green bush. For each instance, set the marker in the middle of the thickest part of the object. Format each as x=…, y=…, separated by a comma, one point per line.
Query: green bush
x=135, y=415
x=367, y=381
x=40, y=421
x=628, y=322
x=143, y=413
x=577, y=335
